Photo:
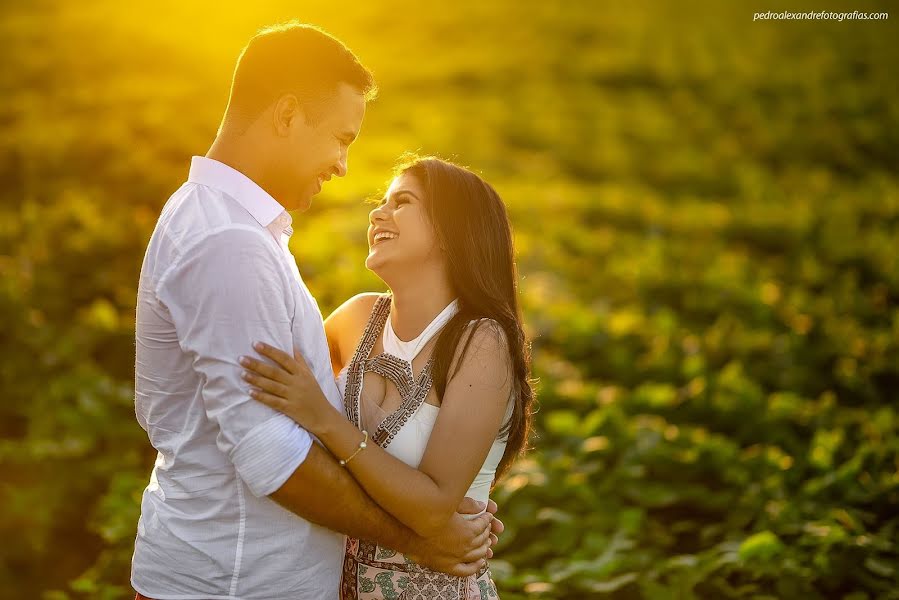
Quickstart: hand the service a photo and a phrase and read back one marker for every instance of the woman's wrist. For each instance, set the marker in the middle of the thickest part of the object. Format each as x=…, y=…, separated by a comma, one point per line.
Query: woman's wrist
x=326, y=424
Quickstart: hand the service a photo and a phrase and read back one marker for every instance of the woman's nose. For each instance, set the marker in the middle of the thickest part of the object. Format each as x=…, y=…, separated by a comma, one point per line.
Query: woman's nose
x=377, y=214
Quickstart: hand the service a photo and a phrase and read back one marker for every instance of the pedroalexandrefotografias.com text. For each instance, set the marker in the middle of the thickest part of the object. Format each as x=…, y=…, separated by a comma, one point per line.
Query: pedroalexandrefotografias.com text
x=822, y=15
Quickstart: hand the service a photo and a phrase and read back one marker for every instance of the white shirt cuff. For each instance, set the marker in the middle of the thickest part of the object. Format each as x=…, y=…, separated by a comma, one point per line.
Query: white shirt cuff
x=269, y=454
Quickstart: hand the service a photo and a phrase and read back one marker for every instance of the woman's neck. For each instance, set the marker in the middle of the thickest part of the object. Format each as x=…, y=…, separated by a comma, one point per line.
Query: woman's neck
x=417, y=302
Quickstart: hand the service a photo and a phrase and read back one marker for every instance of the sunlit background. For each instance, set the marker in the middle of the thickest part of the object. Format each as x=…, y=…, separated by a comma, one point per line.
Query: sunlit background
x=706, y=213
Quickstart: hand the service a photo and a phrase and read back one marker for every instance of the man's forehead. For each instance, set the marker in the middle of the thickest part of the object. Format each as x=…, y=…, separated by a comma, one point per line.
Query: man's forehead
x=350, y=105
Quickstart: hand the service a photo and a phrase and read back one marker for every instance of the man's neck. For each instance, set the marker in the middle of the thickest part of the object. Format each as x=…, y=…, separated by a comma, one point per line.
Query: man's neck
x=237, y=154
x=243, y=154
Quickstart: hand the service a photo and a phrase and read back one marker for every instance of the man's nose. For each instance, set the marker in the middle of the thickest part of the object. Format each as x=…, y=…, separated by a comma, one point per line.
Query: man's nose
x=340, y=167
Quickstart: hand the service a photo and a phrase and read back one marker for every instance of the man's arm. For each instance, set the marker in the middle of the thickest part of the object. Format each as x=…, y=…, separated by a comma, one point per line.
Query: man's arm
x=324, y=493
x=223, y=293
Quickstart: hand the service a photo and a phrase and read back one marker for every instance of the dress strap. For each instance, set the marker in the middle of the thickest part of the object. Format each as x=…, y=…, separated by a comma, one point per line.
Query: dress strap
x=356, y=370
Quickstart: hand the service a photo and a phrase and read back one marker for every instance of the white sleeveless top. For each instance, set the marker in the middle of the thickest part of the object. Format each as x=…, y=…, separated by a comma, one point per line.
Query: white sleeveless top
x=411, y=440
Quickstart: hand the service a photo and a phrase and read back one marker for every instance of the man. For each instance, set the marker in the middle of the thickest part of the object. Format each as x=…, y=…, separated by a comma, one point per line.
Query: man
x=241, y=502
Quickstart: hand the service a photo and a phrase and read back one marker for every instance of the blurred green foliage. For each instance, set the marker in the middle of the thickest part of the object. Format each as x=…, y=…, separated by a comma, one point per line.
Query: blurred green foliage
x=707, y=218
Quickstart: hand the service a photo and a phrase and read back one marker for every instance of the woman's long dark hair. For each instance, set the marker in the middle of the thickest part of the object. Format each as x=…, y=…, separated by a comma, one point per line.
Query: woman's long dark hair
x=472, y=227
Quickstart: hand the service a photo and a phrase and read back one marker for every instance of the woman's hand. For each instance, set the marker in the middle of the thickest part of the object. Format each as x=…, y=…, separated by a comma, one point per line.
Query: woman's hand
x=287, y=386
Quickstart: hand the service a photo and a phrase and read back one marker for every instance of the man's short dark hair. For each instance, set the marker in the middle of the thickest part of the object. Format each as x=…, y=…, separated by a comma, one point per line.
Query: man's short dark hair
x=292, y=58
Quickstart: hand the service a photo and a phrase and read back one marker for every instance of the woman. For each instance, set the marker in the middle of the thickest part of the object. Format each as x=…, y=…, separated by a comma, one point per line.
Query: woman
x=434, y=374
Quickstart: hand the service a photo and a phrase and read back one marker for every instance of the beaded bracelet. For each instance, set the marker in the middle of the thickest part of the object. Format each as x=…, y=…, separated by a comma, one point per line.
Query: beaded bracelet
x=362, y=446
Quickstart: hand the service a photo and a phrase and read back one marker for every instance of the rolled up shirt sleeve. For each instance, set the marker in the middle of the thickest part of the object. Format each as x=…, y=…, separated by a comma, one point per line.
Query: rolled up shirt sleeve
x=224, y=293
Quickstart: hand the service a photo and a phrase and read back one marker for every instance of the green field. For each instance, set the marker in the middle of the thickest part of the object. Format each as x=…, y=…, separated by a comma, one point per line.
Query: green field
x=706, y=213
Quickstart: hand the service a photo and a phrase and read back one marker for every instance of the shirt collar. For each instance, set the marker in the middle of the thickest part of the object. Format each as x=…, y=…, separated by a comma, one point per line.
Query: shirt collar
x=256, y=201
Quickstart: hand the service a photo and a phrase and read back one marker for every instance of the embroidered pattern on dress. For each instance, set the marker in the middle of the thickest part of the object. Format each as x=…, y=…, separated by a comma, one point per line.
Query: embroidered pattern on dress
x=357, y=364
x=398, y=371
x=412, y=392
x=371, y=572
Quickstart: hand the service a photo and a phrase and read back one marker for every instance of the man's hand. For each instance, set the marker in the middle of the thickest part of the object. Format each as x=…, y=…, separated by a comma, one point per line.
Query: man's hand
x=496, y=526
x=469, y=506
x=460, y=549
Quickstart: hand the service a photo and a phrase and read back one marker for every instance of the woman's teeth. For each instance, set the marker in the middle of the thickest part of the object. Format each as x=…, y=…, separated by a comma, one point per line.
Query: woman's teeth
x=385, y=235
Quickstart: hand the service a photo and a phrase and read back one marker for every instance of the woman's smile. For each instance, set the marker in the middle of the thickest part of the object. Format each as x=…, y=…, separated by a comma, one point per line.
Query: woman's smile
x=383, y=236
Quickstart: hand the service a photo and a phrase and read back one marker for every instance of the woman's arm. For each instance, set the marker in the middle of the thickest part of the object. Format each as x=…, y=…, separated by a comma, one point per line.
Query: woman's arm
x=470, y=417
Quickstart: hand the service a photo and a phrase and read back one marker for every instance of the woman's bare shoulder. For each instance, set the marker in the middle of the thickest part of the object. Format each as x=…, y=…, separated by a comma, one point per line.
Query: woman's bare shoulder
x=345, y=325
x=359, y=306
x=484, y=344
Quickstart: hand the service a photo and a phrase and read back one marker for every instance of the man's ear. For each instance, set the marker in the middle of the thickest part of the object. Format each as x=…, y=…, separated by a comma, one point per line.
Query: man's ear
x=286, y=111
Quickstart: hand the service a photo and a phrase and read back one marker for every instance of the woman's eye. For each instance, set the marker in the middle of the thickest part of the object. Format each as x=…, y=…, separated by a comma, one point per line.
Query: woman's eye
x=400, y=202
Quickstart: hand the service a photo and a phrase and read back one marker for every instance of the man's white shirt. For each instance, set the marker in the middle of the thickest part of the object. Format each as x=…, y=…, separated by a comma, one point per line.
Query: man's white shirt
x=217, y=276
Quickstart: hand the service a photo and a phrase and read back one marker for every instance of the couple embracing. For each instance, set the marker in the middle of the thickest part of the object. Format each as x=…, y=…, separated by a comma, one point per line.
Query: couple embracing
x=351, y=458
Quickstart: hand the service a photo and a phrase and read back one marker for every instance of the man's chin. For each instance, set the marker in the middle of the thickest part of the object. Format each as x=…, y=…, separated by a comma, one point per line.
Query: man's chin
x=304, y=202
